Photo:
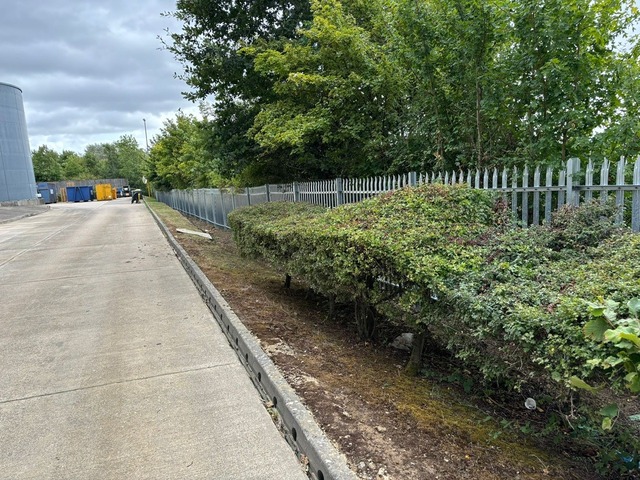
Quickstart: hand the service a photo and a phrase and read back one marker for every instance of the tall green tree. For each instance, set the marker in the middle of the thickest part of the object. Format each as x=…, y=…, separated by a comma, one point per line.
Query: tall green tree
x=213, y=32
x=47, y=165
x=178, y=157
x=564, y=72
x=208, y=45
x=336, y=94
x=95, y=157
x=131, y=160
x=620, y=134
x=448, y=49
x=74, y=166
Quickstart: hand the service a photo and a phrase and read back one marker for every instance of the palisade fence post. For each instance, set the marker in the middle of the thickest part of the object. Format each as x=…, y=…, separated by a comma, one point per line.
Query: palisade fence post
x=604, y=181
x=225, y=210
x=213, y=207
x=233, y=199
x=268, y=193
x=525, y=196
x=561, y=183
x=339, y=192
x=573, y=170
x=588, y=182
x=296, y=192
x=505, y=184
x=620, y=181
x=635, y=201
x=536, y=196
x=413, y=179
x=514, y=193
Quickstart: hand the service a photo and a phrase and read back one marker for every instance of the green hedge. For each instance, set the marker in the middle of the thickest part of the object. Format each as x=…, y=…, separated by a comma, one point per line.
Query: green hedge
x=421, y=240
x=510, y=302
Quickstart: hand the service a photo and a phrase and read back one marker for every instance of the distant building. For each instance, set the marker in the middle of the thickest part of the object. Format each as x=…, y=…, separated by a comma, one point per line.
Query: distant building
x=17, y=180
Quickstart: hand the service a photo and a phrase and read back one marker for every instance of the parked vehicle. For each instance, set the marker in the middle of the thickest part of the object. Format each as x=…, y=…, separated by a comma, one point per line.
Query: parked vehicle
x=126, y=191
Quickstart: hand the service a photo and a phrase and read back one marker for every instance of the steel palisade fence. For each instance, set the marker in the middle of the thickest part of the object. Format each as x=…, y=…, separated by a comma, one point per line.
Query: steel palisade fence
x=532, y=204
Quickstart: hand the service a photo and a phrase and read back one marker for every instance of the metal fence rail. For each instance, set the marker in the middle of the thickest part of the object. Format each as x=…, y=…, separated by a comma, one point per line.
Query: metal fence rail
x=532, y=197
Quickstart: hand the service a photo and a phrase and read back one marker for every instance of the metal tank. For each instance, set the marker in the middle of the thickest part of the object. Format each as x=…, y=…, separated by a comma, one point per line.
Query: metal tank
x=17, y=180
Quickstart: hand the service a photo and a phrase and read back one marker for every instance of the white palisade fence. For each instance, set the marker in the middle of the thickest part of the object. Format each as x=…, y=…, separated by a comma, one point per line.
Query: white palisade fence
x=533, y=194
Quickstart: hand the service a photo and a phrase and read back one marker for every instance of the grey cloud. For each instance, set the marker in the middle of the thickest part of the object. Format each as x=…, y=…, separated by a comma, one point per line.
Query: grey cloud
x=90, y=70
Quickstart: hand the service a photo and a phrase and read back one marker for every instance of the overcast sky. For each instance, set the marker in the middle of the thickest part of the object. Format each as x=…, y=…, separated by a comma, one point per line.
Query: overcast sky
x=90, y=71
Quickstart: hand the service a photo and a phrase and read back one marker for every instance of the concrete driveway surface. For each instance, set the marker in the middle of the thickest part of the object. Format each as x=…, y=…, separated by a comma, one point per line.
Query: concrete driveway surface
x=110, y=364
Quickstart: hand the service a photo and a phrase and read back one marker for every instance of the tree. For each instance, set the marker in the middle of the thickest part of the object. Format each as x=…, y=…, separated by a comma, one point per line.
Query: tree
x=621, y=133
x=131, y=159
x=448, y=50
x=213, y=33
x=563, y=70
x=178, y=157
x=47, y=165
x=335, y=95
x=74, y=166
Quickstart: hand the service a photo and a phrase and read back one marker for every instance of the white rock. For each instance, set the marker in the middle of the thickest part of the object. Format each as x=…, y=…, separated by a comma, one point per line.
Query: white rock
x=403, y=342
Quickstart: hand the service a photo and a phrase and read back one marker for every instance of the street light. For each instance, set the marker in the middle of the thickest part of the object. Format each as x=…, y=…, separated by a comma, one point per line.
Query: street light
x=146, y=139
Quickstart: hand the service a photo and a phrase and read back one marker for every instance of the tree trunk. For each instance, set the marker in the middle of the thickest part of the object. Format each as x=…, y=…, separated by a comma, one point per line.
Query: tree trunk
x=479, y=120
x=365, y=318
x=417, y=349
x=287, y=281
x=332, y=306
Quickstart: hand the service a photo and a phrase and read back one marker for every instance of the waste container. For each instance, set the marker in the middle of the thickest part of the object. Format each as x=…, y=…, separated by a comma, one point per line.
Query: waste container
x=104, y=192
x=48, y=192
x=79, y=194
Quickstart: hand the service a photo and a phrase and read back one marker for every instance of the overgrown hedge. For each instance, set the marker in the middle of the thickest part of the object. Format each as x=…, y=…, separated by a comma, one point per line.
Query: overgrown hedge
x=441, y=260
x=421, y=241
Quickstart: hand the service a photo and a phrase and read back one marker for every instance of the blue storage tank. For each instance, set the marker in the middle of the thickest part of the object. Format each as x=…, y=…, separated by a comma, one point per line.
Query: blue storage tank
x=79, y=194
x=17, y=181
x=48, y=192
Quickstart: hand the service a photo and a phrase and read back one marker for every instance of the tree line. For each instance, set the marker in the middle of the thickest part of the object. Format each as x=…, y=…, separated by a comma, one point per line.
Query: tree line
x=299, y=89
x=120, y=159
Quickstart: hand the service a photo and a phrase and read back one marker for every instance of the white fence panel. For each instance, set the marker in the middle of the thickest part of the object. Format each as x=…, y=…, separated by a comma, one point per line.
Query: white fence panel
x=560, y=188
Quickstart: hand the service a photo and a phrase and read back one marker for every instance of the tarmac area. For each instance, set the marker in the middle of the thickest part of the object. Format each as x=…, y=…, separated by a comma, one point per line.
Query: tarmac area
x=111, y=364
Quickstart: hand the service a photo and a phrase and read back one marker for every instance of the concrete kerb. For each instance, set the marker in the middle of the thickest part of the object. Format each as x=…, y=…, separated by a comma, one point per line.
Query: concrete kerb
x=296, y=423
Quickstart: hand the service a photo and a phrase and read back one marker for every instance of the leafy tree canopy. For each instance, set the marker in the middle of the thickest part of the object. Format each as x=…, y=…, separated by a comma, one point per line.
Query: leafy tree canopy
x=327, y=88
x=120, y=159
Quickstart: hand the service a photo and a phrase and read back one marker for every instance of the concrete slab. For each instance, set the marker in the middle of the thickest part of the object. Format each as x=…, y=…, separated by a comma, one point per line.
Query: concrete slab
x=11, y=213
x=151, y=428
x=111, y=364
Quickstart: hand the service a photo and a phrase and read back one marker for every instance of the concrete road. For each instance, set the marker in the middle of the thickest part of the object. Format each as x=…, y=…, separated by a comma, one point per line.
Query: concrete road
x=110, y=364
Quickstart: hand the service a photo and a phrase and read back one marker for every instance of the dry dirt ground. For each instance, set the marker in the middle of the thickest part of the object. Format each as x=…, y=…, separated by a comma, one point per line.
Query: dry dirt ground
x=387, y=424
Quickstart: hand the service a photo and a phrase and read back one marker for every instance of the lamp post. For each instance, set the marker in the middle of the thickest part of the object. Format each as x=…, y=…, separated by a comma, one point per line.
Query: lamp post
x=146, y=139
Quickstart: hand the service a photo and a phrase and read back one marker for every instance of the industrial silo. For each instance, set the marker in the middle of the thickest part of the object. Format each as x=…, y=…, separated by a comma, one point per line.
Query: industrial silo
x=17, y=181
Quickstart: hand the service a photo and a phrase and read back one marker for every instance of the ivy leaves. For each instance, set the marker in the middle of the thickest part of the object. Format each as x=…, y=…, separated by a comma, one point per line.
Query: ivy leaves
x=623, y=334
